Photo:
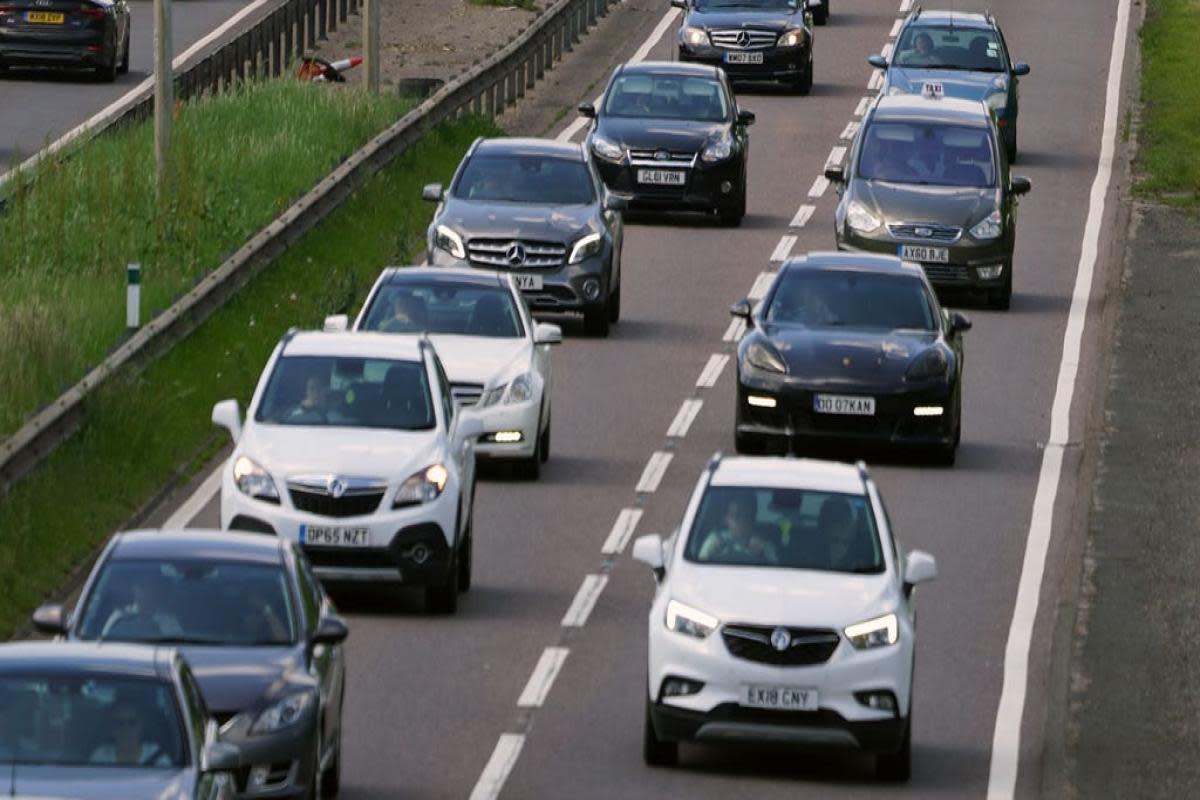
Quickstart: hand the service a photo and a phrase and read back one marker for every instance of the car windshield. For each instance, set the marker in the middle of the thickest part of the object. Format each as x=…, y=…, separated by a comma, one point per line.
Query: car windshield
x=544, y=180
x=927, y=154
x=190, y=601
x=759, y=5
x=667, y=97
x=89, y=721
x=851, y=299
x=445, y=308
x=946, y=47
x=329, y=391
x=790, y=528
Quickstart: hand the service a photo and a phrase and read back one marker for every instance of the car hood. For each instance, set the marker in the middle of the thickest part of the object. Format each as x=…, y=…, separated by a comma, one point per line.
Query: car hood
x=479, y=359
x=234, y=679
x=960, y=206
x=96, y=783
x=680, y=135
x=765, y=19
x=777, y=596
x=555, y=223
x=287, y=450
x=958, y=83
x=837, y=356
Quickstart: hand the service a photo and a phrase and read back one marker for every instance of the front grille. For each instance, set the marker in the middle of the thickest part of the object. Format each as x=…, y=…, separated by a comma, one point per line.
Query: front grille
x=925, y=232
x=516, y=253
x=326, y=505
x=807, y=646
x=743, y=39
x=947, y=273
x=466, y=394
x=672, y=158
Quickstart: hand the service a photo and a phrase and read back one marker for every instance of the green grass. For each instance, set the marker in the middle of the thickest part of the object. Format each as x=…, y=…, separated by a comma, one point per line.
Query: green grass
x=141, y=429
x=1169, y=156
x=240, y=159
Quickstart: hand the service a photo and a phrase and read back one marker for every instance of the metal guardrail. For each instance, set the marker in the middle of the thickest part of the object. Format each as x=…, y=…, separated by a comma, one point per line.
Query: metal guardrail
x=486, y=89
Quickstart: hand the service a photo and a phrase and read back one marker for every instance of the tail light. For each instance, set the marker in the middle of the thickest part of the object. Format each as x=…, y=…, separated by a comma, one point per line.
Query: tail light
x=6, y=10
x=92, y=12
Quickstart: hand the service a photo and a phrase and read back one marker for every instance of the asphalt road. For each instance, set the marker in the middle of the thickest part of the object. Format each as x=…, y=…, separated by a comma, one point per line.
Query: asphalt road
x=428, y=697
x=38, y=106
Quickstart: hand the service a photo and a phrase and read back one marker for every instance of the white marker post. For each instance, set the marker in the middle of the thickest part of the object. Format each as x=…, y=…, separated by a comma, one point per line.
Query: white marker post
x=133, y=296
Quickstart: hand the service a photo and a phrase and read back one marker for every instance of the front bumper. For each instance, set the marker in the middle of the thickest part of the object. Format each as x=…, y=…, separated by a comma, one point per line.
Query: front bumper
x=563, y=289
x=782, y=64
x=966, y=257
x=57, y=46
x=522, y=418
x=707, y=187
x=274, y=766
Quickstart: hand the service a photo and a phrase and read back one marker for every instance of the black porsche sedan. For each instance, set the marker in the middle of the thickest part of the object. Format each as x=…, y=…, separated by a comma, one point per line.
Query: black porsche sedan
x=75, y=34
x=670, y=136
x=261, y=637
x=752, y=40
x=850, y=347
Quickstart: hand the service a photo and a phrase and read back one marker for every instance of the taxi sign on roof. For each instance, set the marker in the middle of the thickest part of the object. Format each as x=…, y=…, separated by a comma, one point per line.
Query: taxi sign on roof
x=934, y=91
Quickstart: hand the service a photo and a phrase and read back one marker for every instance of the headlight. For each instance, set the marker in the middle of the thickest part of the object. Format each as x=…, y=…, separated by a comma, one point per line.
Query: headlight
x=520, y=390
x=930, y=364
x=878, y=632
x=694, y=36
x=448, y=240
x=586, y=247
x=793, y=38
x=690, y=621
x=860, y=218
x=492, y=396
x=997, y=102
x=989, y=227
x=718, y=150
x=606, y=149
x=283, y=714
x=253, y=480
x=424, y=487
x=763, y=356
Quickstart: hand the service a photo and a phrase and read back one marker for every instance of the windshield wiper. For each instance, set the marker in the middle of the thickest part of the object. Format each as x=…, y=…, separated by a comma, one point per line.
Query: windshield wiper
x=181, y=640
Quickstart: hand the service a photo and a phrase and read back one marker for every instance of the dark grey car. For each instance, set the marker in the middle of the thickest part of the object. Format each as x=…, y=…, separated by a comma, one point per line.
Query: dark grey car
x=538, y=209
x=254, y=624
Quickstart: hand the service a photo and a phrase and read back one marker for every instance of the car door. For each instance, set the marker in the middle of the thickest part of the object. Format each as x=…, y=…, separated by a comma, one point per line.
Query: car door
x=461, y=448
x=326, y=662
x=541, y=353
x=202, y=730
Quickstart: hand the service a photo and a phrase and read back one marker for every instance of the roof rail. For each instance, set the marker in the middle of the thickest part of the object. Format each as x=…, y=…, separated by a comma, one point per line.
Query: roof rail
x=916, y=12
x=713, y=462
x=289, y=334
x=863, y=473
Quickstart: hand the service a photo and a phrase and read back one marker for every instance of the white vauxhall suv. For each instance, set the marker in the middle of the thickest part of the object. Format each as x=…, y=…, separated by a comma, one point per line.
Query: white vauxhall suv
x=496, y=356
x=352, y=446
x=783, y=614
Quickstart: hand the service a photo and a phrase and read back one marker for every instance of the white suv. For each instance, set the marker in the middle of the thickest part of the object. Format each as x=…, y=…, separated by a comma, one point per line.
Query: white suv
x=783, y=614
x=353, y=447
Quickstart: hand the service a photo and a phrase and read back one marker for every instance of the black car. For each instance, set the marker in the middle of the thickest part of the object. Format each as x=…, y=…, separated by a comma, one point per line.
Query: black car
x=77, y=34
x=257, y=630
x=927, y=181
x=850, y=347
x=752, y=40
x=966, y=55
x=538, y=209
x=670, y=136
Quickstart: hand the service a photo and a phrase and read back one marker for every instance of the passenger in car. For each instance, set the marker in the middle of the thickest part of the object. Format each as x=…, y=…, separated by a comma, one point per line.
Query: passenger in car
x=741, y=540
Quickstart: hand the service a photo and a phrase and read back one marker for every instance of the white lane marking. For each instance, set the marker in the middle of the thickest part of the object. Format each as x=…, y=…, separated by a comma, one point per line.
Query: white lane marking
x=836, y=155
x=1006, y=739
x=782, y=250
x=849, y=131
x=861, y=108
x=503, y=759
x=762, y=285
x=652, y=475
x=543, y=677
x=622, y=529
x=685, y=417
x=575, y=127
x=876, y=81
x=585, y=600
x=819, y=186
x=803, y=215
x=734, y=332
x=905, y=5
x=896, y=28
x=712, y=371
x=191, y=507
x=886, y=52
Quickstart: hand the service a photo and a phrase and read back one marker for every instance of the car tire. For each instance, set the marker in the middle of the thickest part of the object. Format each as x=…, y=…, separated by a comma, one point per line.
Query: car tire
x=531, y=468
x=803, y=85
x=897, y=766
x=108, y=73
x=614, y=305
x=596, y=322
x=331, y=778
x=123, y=68
x=466, y=559
x=655, y=751
x=732, y=217
x=1001, y=299
x=1011, y=148
x=443, y=598
x=545, y=443
x=748, y=444
x=821, y=15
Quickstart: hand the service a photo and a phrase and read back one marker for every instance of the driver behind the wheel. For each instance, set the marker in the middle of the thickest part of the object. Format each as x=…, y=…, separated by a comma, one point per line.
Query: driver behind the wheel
x=738, y=541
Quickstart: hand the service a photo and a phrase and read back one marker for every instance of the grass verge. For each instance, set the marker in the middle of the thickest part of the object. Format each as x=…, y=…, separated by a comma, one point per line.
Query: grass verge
x=240, y=159
x=141, y=428
x=1169, y=146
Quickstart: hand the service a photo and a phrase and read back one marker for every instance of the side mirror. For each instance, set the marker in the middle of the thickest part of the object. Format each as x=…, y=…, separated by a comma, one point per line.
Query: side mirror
x=469, y=425
x=220, y=757
x=330, y=631
x=959, y=322
x=432, y=192
x=546, y=333
x=1020, y=185
x=649, y=550
x=1020, y=68
x=337, y=323
x=919, y=567
x=51, y=619
x=836, y=173
x=614, y=202
x=587, y=109
x=743, y=309
x=227, y=414
x=877, y=61
x=745, y=117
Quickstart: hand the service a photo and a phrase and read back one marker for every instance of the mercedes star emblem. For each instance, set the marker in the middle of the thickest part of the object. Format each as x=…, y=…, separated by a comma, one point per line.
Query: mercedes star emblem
x=743, y=39
x=781, y=639
x=515, y=255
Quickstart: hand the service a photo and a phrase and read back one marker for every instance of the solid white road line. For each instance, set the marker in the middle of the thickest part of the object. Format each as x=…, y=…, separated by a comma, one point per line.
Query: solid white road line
x=712, y=371
x=876, y=81
x=1006, y=740
x=849, y=131
x=685, y=417
x=896, y=28
x=585, y=600
x=861, y=108
x=191, y=507
x=734, y=332
x=622, y=529
x=803, y=215
x=836, y=155
x=504, y=757
x=652, y=475
x=819, y=186
x=543, y=677
x=781, y=251
x=762, y=284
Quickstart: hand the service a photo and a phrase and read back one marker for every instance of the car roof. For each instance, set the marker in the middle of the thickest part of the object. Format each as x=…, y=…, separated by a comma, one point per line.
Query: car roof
x=455, y=275
x=789, y=473
x=526, y=146
x=958, y=19
x=916, y=108
x=351, y=344
x=679, y=68
x=197, y=544
x=85, y=658
x=859, y=262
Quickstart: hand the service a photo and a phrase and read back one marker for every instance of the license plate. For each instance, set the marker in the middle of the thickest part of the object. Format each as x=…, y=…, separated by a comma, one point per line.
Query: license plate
x=844, y=404
x=528, y=282
x=662, y=177
x=45, y=17
x=321, y=536
x=929, y=255
x=743, y=58
x=780, y=698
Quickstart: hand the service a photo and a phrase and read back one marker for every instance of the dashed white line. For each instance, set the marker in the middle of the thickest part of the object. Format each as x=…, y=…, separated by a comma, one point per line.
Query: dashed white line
x=836, y=155
x=656, y=467
x=734, y=332
x=543, y=677
x=861, y=108
x=876, y=81
x=504, y=757
x=782, y=250
x=196, y=503
x=585, y=600
x=712, y=371
x=803, y=215
x=685, y=417
x=762, y=285
x=849, y=131
x=886, y=52
x=622, y=529
x=819, y=186
x=905, y=5
x=896, y=28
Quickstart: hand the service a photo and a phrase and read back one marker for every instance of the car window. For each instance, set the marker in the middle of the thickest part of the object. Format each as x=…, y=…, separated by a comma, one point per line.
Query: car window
x=546, y=180
x=845, y=298
x=190, y=600
x=789, y=528
x=310, y=593
x=85, y=720
x=325, y=391
x=946, y=47
x=445, y=308
x=667, y=97
x=755, y=5
x=447, y=395
x=927, y=153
